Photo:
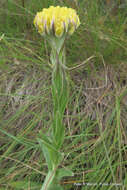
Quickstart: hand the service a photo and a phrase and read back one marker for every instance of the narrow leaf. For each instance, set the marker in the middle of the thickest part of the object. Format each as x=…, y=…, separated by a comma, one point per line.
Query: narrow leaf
x=63, y=172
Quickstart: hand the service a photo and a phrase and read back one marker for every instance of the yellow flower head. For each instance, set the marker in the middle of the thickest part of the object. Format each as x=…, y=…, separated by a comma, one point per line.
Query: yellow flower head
x=56, y=21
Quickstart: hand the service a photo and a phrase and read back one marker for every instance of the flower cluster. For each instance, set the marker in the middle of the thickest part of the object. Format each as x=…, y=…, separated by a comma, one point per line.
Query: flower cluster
x=56, y=21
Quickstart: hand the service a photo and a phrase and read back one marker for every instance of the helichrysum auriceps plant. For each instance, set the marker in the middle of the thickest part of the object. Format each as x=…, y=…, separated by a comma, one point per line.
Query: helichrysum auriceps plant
x=55, y=24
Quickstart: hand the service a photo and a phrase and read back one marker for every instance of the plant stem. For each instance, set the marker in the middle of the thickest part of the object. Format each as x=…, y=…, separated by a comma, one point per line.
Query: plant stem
x=60, y=97
x=48, y=180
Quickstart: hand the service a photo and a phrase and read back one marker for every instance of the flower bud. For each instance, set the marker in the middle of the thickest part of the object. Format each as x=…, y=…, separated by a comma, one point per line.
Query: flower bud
x=56, y=21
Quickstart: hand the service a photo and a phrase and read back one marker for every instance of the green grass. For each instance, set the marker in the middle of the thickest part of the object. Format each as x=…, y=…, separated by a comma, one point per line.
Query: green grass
x=95, y=146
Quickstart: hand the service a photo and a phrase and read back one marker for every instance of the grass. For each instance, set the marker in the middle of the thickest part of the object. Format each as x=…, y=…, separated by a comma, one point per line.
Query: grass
x=95, y=146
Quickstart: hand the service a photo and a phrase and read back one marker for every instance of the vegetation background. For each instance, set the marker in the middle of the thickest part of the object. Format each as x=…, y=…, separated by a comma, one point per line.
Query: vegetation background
x=95, y=146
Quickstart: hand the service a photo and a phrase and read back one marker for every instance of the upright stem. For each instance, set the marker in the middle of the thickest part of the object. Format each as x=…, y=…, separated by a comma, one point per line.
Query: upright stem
x=48, y=180
x=60, y=97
